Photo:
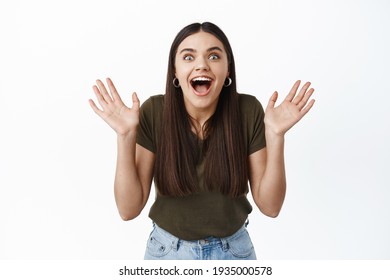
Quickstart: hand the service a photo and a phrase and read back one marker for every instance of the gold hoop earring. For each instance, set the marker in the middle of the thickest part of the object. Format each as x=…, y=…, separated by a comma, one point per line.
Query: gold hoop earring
x=176, y=83
x=229, y=82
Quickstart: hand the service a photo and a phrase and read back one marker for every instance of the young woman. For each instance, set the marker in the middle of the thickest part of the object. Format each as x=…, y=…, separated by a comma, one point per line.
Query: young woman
x=201, y=142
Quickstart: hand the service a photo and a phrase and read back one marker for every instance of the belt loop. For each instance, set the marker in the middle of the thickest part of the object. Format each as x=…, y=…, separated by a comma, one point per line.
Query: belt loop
x=175, y=244
x=225, y=244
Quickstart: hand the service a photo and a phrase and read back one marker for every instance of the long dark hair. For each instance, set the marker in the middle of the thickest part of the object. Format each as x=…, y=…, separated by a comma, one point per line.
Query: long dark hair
x=225, y=168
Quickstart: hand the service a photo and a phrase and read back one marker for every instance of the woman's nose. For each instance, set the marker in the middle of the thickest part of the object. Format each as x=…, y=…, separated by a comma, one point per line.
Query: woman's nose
x=202, y=64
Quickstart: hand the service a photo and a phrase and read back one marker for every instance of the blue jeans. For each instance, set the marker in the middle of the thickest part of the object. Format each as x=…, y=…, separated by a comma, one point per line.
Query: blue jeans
x=162, y=245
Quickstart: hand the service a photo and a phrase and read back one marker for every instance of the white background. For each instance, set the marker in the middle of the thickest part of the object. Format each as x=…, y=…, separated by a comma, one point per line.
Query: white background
x=57, y=158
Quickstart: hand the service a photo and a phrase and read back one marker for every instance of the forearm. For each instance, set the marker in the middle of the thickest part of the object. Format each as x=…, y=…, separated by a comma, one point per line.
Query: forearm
x=127, y=186
x=272, y=187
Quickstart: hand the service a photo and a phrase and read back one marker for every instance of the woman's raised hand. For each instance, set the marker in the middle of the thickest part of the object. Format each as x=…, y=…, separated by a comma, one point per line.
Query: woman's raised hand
x=281, y=118
x=114, y=112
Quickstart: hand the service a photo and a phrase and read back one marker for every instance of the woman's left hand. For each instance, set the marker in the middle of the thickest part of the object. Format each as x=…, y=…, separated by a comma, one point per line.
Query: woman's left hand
x=280, y=119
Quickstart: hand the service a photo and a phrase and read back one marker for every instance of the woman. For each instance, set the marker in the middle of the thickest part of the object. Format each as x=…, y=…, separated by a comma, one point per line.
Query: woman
x=201, y=142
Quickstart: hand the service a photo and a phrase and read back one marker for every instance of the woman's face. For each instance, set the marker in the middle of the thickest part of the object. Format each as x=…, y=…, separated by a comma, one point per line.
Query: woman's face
x=201, y=66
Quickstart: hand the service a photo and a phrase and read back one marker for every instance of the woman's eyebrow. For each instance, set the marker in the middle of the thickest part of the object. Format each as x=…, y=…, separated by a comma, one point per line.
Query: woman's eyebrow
x=208, y=50
x=187, y=50
x=214, y=49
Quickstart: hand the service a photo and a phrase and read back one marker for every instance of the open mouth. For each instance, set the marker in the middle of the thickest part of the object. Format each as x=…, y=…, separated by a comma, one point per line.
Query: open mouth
x=201, y=85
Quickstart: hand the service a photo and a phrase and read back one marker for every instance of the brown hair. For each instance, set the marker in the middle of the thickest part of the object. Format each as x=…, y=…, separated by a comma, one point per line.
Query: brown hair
x=177, y=152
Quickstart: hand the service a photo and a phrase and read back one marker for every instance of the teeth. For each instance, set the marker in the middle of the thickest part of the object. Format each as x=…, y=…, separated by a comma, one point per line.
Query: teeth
x=201, y=79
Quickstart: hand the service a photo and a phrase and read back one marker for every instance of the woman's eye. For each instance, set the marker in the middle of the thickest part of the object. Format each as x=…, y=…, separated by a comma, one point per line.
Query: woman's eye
x=188, y=57
x=213, y=57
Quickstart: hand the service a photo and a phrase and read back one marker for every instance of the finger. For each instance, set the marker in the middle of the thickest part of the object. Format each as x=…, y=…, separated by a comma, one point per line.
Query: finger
x=305, y=99
x=99, y=97
x=305, y=110
x=95, y=108
x=293, y=91
x=301, y=93
x=113, y=91
x=103, y=91
x=136, y=103
x=272, y=100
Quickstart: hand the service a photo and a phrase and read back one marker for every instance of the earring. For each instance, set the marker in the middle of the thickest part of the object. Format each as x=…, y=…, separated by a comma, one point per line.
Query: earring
x=176, y=83
x=229, y=82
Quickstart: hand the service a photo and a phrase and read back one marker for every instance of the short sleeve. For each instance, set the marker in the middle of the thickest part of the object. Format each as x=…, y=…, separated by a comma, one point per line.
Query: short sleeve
x=253, y=122
x=149, y=126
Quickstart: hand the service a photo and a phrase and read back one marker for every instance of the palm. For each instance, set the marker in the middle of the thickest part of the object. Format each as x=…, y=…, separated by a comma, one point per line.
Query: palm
x=114, y=112
x=281, y=118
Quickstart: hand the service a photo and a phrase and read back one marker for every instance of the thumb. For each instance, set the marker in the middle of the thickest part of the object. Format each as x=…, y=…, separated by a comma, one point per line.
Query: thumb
x=136, y=103
x=272, y=100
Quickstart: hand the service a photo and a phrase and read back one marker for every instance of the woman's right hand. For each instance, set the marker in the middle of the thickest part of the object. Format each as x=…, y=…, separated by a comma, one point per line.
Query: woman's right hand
x=114, y=112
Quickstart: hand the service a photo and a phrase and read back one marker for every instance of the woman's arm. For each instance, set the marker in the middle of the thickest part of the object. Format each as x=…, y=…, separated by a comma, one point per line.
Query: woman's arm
x=133, y=177
x=266, y=167
x=267, y=178
x=134, y=168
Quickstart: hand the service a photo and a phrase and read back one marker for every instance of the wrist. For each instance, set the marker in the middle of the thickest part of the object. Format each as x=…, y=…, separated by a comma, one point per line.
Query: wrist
x=126, y=137
x=273, y=135
x=275, y=142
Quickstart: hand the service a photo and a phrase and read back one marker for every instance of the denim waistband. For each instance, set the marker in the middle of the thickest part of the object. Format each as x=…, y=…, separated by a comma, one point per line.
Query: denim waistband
x=207, y=241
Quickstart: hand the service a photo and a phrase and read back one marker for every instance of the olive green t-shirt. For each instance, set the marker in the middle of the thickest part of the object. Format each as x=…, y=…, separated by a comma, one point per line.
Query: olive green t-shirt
x=205, y=213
